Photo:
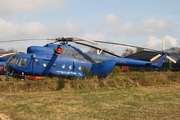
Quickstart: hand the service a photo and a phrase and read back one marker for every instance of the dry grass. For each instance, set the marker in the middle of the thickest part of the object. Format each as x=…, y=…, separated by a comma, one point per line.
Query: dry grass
x=115, y=80
x=127, y=103
x=132, y=95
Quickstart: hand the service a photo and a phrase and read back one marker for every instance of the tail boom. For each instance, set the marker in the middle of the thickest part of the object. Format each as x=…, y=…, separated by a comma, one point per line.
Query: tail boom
x=140, y=63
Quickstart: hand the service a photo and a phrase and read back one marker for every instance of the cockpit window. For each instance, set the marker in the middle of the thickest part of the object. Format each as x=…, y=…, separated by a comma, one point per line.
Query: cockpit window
x=13, y=60
x=22, y=62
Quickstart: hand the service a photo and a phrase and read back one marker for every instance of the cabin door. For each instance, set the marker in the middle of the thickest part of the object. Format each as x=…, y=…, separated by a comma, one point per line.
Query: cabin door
x=38, y=67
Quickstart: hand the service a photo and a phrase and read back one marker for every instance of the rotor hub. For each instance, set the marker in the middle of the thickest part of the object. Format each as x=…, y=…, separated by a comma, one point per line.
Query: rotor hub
x=64, y=40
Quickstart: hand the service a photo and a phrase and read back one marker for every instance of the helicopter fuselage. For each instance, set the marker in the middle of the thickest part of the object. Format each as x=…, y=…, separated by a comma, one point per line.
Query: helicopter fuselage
x=68, y=61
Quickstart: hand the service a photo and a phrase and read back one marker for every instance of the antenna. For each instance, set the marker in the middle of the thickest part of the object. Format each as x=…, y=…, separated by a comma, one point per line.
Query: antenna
x=163, y=44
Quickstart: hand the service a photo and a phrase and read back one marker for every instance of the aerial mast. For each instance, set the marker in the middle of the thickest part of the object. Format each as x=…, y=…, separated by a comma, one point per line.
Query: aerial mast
x=163, y=44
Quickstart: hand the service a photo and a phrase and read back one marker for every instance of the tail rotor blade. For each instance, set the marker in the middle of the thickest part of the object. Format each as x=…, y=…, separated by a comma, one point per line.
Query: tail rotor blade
x=171, y=59
x=155, y=57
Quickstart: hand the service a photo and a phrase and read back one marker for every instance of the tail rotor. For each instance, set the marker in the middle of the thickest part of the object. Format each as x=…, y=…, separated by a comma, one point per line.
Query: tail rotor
x=159, y=55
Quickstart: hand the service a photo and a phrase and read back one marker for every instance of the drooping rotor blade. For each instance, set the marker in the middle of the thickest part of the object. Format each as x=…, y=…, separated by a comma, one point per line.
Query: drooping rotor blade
x=6, y=54
x=90, y=41
x=15, y=40
x=171, y=59
x=113, y=43
x=98, y=49
x=155, y=57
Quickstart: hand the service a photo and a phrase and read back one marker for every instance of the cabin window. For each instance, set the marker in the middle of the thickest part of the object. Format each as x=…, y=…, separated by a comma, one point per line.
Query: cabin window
x=22, y=62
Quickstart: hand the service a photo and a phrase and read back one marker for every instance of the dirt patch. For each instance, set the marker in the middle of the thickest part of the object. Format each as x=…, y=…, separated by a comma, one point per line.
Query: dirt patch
x=4, y=117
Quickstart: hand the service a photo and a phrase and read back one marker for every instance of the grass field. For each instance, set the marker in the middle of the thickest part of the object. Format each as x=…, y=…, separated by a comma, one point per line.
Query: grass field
x=123, y=97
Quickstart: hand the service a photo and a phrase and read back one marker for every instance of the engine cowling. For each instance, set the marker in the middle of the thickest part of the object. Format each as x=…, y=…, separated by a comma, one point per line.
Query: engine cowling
x=103, y=69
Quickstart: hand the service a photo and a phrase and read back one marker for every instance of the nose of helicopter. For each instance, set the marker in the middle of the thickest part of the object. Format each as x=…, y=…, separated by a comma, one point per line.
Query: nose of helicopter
x=7, y=67
x=17, y=64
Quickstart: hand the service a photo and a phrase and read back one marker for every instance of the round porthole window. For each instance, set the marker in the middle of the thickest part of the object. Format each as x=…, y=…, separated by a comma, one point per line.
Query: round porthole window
x=44, y=64
x=54, y=65
x=70, y=67
x=63, y=66
x=80, y=68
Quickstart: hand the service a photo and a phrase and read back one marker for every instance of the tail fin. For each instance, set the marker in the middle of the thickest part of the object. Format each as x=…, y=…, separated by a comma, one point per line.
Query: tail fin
x=159, y=62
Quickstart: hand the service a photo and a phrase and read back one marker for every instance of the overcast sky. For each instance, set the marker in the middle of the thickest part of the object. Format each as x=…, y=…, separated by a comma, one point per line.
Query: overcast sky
x=136, y=22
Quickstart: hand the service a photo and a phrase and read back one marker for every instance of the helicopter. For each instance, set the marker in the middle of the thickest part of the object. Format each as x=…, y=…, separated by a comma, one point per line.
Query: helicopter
x=68, y=61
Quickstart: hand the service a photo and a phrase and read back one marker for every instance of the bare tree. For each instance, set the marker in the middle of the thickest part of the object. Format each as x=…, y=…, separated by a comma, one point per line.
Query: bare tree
x=139, y=49
x=92, y=50
x=173, y=50
x=12, y=50
x=127, y=52
x=2, y=50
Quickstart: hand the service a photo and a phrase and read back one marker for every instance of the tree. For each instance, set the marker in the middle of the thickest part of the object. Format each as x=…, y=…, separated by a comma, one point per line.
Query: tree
x=127, y=52
x=93, y=50
x=12, y=50
x=173, y=50
x=139, y=49
x=2, y=50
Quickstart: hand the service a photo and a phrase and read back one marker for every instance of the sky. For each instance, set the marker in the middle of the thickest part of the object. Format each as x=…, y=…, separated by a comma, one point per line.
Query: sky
x=136, y=22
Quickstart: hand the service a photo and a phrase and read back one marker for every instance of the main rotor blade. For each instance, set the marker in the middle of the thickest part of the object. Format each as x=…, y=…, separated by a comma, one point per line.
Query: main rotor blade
x=89, y=41
x=113, y=43
x=15, y=40
x=98, y=49
x=6, y=54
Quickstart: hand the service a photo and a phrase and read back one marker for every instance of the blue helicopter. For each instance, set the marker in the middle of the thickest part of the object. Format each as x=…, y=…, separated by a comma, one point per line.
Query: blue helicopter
x=68, y=61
